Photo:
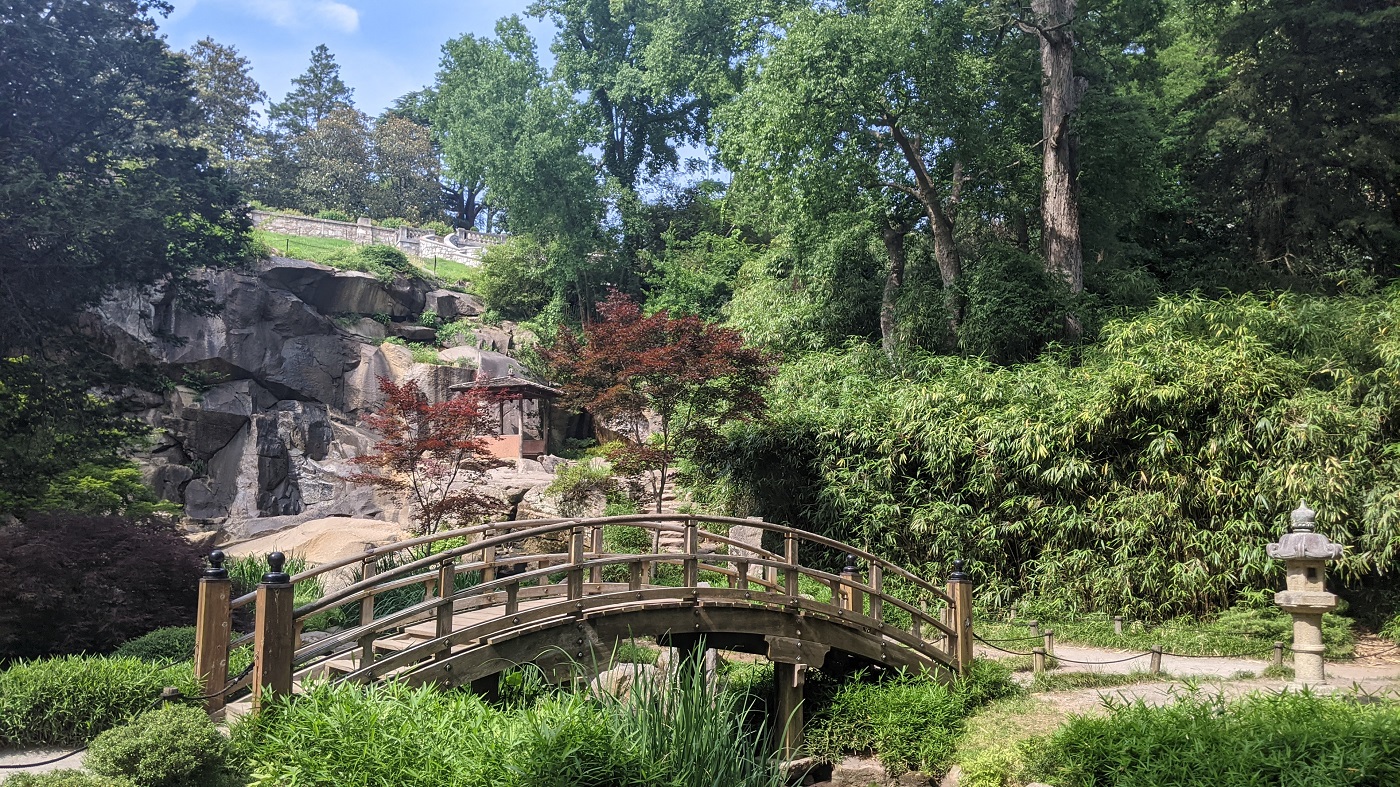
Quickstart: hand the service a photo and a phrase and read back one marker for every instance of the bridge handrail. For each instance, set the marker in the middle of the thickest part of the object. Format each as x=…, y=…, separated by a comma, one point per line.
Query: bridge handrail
x=533, y=527
x=497, y=585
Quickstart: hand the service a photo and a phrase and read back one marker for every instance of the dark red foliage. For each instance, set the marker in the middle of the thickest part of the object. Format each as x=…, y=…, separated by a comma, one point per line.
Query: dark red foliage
x=436, y=453
x=692, y=375
x=74, y=583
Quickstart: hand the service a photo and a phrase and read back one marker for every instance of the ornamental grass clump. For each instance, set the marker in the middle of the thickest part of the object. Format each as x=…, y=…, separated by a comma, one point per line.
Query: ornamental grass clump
x=680, y=734
x=66, y=701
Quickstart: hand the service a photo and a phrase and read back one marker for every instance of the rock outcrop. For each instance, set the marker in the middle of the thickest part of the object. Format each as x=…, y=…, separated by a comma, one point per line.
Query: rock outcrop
x=260, y=432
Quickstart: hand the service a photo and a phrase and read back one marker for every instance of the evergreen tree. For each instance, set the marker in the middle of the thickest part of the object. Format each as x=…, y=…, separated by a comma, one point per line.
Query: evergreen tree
x=227, y=96
x=316, y=93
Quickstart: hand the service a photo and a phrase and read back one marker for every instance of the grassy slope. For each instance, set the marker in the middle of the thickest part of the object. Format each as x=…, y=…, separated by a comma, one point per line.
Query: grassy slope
x=324, y=251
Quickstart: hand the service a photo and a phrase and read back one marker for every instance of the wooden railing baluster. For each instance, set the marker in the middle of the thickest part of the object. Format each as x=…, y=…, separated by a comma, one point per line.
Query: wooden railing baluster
x=790, y=573
x=576, y=561
x=447, y=575
x=596, y=573
x=692, y=547
x=877, y=600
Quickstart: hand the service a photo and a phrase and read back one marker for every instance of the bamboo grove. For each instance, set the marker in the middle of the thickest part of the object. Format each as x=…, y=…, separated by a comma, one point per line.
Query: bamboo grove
x=1143, y=475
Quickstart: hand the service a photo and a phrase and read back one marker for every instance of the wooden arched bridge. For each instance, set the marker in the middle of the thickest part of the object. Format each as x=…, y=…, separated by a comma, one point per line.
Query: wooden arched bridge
x=489, y=605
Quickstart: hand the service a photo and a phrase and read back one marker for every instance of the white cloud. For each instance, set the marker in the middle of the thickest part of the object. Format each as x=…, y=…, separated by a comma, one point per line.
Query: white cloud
x=307, y=13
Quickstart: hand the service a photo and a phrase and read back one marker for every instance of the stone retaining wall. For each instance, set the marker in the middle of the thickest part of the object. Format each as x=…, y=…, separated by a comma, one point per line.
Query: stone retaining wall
x=462, y=246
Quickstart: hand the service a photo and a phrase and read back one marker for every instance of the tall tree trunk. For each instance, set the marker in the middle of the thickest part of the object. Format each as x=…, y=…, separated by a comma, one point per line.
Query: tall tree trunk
x=893, y=235
x=945, y=248
x=1061, y=93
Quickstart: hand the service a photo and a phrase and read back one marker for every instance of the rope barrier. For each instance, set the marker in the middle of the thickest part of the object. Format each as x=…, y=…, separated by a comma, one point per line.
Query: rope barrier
x=1012, y=639
x=1003, y=650
x=158, y=701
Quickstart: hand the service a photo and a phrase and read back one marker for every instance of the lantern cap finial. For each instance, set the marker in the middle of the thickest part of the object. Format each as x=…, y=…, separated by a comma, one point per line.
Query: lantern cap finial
x=1304, y=519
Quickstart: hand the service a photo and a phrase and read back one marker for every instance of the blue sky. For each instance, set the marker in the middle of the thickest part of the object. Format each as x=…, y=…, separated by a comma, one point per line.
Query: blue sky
x=384, y=49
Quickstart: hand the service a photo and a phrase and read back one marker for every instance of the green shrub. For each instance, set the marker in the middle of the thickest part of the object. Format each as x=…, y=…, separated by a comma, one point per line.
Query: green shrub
x=439, y=228
x=627, y=539
x=574, y=484
x=106, y=490
x=910, y=723
x=452, y=330
x=65, y=778
x=68, y=700
x=396, y=340
x=333, y=215
x=385, y=262
x=166, y=645
x=514, y=278
x=174, y=746
x=1204, y=741
x=393, y=223
x=423, y=353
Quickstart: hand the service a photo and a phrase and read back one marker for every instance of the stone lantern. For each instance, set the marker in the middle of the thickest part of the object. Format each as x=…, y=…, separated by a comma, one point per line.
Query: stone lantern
x=1305, y=555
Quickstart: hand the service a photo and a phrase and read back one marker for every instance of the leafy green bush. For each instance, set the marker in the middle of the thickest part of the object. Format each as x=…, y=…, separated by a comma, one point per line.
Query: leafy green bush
x=385, y=262
x=333, y=215
x=910, y=723
x=423, y=353
x=167, y=645
x=627, y=539
x=439, y=228
x=68, y=700
x=1139, y=476
x=574, y=484
x=106, y=490
x=1205, y=741
x=65, y=778
x=514, y=279
x=174, y=746
x=447, y=332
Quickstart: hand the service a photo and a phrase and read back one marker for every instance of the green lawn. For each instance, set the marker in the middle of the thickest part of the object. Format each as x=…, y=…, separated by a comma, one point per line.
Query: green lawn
x=323, y=250
x=301, y=248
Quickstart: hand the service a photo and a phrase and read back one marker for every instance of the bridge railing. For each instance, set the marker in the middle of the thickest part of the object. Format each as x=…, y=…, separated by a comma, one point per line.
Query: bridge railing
x=485, y=571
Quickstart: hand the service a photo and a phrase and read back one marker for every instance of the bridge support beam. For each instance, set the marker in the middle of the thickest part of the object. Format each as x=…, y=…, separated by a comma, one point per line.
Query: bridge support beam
x=787, y=726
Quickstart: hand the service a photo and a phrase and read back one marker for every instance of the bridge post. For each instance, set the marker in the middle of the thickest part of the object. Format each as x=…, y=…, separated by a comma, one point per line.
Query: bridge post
x=212, y=630
x=877, y=582
x=273, y=645
x=576, y=561
x=851, y=600
x=960, y=591
x=692, y=547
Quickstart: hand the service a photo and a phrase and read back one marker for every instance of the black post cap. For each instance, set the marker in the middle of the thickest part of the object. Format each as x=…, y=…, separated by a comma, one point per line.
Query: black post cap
x=275, y=574
x=958, y=575
x=850, y=567
x=216, y=568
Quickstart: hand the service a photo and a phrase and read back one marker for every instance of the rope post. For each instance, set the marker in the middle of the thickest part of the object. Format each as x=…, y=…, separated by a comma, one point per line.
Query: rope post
x=1038, y=660
x=1117, y=625
x=213, y=630
x=1050, y=641
x=1034, y=627
x=576, y=561
x=1277, y=659
x=371, y=567
x=274, y=642
x=960, y=591
x=1156, y=665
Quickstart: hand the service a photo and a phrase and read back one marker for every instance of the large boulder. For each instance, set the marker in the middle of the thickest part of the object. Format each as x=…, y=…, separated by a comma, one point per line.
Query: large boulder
x=332, y=291
x=410, y=332
x=451, y=305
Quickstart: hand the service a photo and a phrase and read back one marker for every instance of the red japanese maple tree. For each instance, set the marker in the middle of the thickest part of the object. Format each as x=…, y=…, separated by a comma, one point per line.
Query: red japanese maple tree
x=437, y=453
x=690, y=375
